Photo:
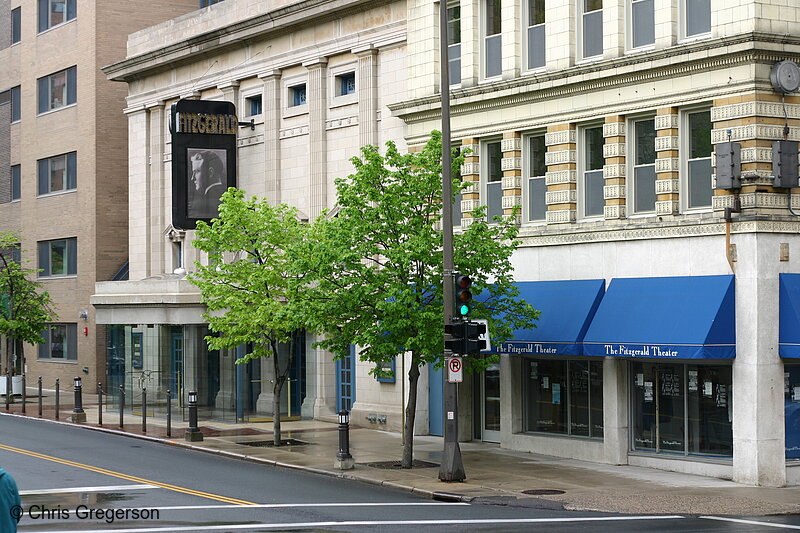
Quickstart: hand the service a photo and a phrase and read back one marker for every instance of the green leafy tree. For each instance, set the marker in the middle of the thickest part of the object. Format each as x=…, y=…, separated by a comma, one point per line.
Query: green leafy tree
x=379, y=263
x=249, y=285
x=25, y=308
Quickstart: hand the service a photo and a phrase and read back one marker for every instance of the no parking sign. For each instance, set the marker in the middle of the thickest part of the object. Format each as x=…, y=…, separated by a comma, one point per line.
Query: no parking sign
x=455, y=370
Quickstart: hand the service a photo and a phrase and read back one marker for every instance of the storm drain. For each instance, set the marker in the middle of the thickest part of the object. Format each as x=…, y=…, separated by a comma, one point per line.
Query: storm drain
x=270, y=444
x=542, y=492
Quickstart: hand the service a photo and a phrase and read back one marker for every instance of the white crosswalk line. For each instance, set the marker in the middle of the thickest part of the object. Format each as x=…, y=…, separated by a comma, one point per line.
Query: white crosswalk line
x=66, y=490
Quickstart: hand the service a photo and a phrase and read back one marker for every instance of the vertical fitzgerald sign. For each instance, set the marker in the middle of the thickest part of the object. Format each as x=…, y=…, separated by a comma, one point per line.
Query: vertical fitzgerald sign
x=203, y=158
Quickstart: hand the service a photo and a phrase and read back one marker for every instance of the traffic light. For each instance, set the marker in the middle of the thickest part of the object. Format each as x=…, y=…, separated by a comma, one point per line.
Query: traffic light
x=457, y=332
x=472, y=343
x=463, y=296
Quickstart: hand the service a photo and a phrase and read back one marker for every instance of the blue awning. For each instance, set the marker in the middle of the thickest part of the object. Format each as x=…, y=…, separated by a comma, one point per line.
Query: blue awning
x=789, y=321
x=688, y=317
x=567, y=309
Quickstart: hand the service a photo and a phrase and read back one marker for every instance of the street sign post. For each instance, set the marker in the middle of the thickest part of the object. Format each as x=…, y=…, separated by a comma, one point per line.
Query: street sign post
x=455, y=370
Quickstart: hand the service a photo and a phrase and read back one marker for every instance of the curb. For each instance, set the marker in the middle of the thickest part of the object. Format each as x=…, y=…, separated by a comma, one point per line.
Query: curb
x=434, y=495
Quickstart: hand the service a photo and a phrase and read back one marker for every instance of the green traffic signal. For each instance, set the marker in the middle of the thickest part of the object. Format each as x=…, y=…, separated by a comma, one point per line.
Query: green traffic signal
x=463, y=295
x=463, y=309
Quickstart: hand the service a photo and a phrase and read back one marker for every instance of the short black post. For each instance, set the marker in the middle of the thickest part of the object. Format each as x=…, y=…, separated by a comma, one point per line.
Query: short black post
x=58, y=387
x=8, y=389
x=169, y=413
x=24, y=394
x=40, y=396
x=121, y=405
x=193, y=433
x=78, y=414
x=344, y=461
x=99, y=404
x=144, y=409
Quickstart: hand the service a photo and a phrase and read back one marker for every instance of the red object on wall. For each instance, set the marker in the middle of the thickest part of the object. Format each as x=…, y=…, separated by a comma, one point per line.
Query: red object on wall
x=85, y=332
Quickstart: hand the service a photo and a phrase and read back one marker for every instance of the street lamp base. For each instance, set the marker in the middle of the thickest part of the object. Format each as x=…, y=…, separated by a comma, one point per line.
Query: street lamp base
x=193, y=436
x=347, y=463
x=452, y=468
x=79, y=418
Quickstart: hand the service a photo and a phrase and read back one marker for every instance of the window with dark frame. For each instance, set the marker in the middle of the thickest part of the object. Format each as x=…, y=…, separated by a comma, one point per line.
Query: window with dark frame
x=16, y=25
x=493, y=43
x=57, y=90
x=454, y=43
x=697, y=14
x=592, y=27
x=699, y=159
x=644, y=166
x=15, y=182
x=61, y=342
x=494, y=179
x=57, y=174
x=55, y=12
x=206, y=3
x=346, y=84
x=58, y=257
x=593, y=161
x=16, y=113
x=253, y=105
x=537, y=188
x=297, y=95
x=643, y=23
x=536, y=34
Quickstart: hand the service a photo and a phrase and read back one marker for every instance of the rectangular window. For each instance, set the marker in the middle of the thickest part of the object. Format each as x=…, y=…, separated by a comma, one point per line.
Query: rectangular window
x=454, y=43
x=791, y=393
x=297, y=95
x=593, y=182
x=536, y=42
x=58, y=89
x=494, y=179
x=55, y=12
x=58, y=257
x=16, y=25
x=16, y=113
x=60, y=342
x=537, y=189
x=699, y=159
x=492, y=52
x=57, y=174
x=346, y=84
x=644, y=166
x=15, y=182
x=592, y=27
x=564, y=397
x=697, y=14
x=682, y=408
x=253, y=105
x=643, y=25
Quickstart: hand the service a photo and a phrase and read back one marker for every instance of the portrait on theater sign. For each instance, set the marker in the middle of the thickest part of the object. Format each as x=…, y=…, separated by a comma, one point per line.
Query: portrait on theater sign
x=207, y=175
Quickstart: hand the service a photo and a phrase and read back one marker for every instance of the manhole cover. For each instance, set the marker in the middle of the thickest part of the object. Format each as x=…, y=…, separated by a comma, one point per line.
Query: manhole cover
x=395, y=465
x=269, y=443
x=542, y=492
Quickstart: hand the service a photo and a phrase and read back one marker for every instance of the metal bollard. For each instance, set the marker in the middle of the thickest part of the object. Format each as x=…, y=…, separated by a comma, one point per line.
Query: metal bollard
x=8, y=389
x=344, y=460
x=78, y=414
x=193, y=433
x=99, y=404
x=24, y=393
x=40, y=396
x=121, y=404
x=144, y=409
x=58, y=387
x=169, y=413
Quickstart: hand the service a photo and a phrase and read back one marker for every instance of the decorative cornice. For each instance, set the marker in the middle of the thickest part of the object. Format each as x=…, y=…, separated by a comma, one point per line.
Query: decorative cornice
x=285, y=133
x=343, y=122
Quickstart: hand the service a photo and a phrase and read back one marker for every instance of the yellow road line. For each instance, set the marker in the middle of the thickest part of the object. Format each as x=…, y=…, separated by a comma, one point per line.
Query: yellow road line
x=120, y=475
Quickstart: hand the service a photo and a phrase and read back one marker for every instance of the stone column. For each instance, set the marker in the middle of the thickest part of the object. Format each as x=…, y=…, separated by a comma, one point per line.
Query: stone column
x=562, y=174
x=226, y=397
x=317, y=112
x=614, y=168
x=139, y=194
x=321, y=397
x=367, y=95
x=471, y=42
x=667, y=161
x=666, y=15
x=271, y=100
x=615, y=410
x=512, y=173
x=157, y=223
x=470, y=173
x=423, y=45
x=512, y=397
x=511, y=14
x=613, y=28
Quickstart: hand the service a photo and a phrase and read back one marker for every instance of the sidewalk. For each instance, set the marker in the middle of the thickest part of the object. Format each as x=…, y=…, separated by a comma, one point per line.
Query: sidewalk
x=494, y=475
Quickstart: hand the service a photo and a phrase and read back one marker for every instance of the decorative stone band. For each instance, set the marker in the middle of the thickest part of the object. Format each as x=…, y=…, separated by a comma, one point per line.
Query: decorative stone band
x=611, y=192
x=560, y=137
x=754, y=131
x=666, y=122
x=512, y=201
x=670, y=142
x=474, y=149
x=667, y=164
x=668, y=186
x=511, y=163
x=763, y=200
x=247, y=141
x=666, y=207
x=561, y=176
x=511, y=144
x=754, y=109
x=614, y=150
x=468, y=169
x=472, y=187
x=569, y=196
x=343, y=122
x=466, y=222
x=614, y=129
x=468, y=206
x=563, y=216
x=560, y=157
x=757, y=154
x=613, y=211
x=511, y=182
x=286, y=133
x=614, y=171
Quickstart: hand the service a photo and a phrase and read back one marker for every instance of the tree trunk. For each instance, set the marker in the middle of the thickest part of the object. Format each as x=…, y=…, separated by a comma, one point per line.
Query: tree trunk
x=276, y=405
x=411, y=414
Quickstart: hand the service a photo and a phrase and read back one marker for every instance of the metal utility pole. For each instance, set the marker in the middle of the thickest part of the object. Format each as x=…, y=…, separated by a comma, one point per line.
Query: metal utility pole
x=451, y=468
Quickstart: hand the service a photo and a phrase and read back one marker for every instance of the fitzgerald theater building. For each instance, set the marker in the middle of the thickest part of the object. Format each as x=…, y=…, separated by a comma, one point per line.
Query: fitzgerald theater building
x=664, y=340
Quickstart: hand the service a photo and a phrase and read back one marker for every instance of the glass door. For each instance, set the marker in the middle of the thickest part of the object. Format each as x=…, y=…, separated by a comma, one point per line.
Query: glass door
x=490, y=393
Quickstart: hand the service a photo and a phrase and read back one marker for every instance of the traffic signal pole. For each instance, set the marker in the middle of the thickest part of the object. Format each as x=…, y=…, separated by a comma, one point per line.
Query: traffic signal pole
x=451, y=468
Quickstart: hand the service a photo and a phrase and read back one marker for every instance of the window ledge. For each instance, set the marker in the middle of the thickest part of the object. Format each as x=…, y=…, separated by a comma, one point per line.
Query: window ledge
x=65, y=276
x=16, y=121
x=693, y=38
x=295, y=111
x=559, y=436
x=49, y=111
x=51, y=360
x=57, y=193
x=340, y=101
x=640, y=50
x=678, y=456
x=61, y=25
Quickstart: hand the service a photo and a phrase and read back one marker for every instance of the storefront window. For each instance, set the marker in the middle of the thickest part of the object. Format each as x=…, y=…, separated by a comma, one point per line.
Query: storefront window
x=565, y=397
x=683, y=409
x=791, y=392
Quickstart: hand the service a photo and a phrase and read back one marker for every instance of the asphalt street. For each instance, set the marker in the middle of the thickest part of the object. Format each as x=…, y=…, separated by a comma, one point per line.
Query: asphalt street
x=73, y=479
